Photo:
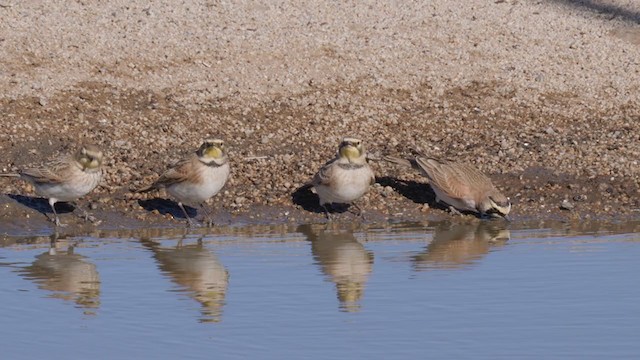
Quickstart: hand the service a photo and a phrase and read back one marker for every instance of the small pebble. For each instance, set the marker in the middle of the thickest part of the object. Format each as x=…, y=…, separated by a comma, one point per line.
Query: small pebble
x=566, y=205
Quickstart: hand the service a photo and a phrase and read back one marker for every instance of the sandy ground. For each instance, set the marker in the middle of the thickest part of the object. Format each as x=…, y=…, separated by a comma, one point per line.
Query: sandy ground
x=543, y=96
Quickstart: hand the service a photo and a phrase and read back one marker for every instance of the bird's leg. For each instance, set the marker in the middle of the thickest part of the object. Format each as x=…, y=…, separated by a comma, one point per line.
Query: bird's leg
x=189, y=222
x=326, y=211
x=52, y=203
x=360, y=213
x=207, y=216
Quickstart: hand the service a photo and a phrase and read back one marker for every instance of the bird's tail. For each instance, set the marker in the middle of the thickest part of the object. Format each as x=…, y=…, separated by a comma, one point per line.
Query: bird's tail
x=401, y=161
x=9, y=175
x=144, y=189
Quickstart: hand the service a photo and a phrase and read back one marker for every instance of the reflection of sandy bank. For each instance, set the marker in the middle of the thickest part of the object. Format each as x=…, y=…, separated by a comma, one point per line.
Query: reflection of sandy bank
x=67, y=276
x=343, y=259
x=458, y=245
x=198, y=271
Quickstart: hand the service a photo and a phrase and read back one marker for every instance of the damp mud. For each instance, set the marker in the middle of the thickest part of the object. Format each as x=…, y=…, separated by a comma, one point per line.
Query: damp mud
x=551, y=113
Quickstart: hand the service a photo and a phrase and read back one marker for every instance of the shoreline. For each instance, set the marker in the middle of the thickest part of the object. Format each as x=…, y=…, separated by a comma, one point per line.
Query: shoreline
x=551, y=113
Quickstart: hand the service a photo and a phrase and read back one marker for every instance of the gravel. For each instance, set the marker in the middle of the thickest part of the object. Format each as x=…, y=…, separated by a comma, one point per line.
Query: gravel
x=542, y=96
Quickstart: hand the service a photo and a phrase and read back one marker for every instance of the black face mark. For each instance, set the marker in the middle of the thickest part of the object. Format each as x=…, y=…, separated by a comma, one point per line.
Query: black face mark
x=505, y=203
x=494, y=211
x=349, y=143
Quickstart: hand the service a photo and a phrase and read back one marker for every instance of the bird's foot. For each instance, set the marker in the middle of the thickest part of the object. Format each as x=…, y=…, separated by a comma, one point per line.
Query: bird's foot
x=88, y=217
x=208, y=223
x=57, y=222
x=359, y=212
x=454, y=211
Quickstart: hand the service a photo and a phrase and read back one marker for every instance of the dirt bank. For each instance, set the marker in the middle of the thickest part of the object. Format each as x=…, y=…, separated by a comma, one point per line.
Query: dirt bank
x=543, y=97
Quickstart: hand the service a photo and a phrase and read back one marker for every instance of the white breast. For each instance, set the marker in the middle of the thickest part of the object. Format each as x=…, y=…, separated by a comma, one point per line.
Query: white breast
x=213, y=179
x=347, y=185
x=81, y=183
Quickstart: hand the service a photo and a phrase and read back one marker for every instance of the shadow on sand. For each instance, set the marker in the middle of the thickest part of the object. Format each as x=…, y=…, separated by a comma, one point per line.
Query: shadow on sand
x=417, y=192
x=166, y=206
x=613, y=11
x=41, y=205
x=309, y=201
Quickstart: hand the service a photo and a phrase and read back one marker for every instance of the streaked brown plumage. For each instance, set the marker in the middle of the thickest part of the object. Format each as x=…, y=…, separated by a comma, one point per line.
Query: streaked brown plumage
x=196, y=178
x=67, y=178
x=346, y=177
x=459, y=185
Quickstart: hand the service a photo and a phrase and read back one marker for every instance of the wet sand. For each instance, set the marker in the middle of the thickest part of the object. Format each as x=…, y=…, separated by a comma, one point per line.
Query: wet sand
x=543, y=97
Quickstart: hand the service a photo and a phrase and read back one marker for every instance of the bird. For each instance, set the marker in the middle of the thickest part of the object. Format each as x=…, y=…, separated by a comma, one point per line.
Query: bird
x=67, y=178
x=196, y=178
x=345, y=178
x=460, y=185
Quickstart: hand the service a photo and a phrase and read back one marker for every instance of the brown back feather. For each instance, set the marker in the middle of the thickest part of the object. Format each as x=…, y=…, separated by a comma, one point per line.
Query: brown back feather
x=455, y=179
x=51, y=173
x=181, y=171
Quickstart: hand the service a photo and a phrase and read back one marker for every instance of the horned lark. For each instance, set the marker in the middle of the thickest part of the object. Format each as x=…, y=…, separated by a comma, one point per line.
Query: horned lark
x=67, y=178
x=196, y=178
x=459, y=185
x=346, y=177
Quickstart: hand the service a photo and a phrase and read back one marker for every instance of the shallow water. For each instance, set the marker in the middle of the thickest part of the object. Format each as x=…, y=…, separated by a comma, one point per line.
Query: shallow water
x=318, y=292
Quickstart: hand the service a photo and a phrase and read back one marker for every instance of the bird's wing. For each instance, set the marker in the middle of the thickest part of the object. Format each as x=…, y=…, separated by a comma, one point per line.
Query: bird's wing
x=479, y=180
x=323, y=176
x=179, y=172
x=446, y=176
x=55, y=172
x=372, y=176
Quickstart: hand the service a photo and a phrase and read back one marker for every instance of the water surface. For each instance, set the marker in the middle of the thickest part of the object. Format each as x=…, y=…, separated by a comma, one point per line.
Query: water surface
x=470, y=290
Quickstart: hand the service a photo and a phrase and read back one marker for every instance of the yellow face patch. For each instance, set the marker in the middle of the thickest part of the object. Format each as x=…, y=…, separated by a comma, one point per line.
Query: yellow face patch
x=350, y=152
x=89, y=163
x=213, y=152
x=93, y=164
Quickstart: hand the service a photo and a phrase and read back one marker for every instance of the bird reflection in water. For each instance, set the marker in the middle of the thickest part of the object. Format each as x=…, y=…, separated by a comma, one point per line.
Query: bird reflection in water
x=197, y=270
x=67, y=275
x=343, y=260
x=456, y=246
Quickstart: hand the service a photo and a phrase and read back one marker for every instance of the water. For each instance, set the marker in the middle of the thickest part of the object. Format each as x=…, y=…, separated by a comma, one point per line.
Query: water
x=318, y=292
